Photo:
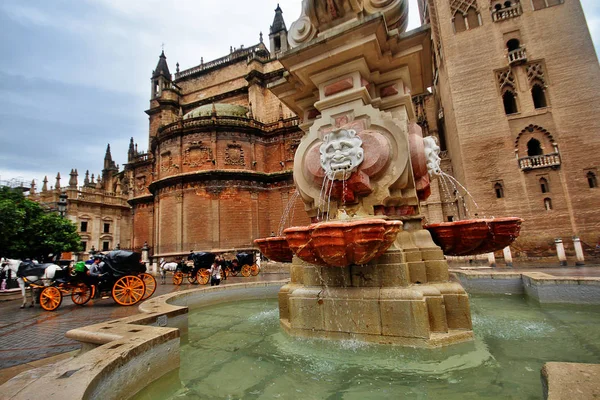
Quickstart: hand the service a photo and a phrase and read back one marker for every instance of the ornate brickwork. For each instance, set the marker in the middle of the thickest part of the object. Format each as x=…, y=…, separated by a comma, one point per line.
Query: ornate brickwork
x=505, y=79
x=535, y=72
x=462, y=6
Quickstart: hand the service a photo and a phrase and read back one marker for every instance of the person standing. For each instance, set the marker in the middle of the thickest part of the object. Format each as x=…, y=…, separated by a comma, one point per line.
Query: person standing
x=215, y=273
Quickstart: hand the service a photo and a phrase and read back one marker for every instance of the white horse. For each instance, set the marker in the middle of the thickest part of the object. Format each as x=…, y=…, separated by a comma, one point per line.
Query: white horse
x=46, y=278
x=164, y=267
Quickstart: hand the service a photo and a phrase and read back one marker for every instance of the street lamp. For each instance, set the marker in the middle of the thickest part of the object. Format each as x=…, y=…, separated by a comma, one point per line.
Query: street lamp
x=62, y=204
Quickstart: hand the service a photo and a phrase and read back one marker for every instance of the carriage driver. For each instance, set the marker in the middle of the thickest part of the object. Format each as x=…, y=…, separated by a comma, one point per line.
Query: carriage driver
x=97, y=268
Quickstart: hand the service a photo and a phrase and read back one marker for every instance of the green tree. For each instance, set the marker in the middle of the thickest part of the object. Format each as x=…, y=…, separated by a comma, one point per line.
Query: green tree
x=27, y=230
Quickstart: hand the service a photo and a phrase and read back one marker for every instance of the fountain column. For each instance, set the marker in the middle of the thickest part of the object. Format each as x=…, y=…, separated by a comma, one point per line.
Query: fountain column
x=560, y=252
x=578, y=251
x=350, y=75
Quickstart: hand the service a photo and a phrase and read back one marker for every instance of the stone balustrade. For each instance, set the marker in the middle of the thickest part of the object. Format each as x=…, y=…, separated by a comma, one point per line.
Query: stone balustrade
x=541, y=161
x=517, y=56
x=506, y=13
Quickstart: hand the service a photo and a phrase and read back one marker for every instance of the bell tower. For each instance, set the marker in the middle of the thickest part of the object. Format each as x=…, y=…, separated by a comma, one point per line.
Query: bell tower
x=164, y=97
x=278, y=33
x=161, y=77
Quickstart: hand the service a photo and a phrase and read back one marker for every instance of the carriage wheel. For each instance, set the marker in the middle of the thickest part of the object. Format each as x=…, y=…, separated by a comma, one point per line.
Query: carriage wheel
x=128, y=290
x=227, y=272
x=192, y=278
x=150, y=283
x=177, y=278
x=50, y=298
x=254, y=270
x=203, y=276
x=246, y=270
x=81, y=294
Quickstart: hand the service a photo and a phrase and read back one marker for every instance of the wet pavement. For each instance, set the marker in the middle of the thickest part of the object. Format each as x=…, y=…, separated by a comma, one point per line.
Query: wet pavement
x=31, y=334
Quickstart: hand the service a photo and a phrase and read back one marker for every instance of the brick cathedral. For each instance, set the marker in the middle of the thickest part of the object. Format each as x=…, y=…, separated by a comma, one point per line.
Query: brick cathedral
x=512, y=96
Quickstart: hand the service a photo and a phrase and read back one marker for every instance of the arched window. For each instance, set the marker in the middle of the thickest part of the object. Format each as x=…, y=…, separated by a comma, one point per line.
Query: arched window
x=592, y=181
x=507, y=4
x=534, y=148
x=459, y=23
x=513, y=44
x=548, y=203
x=544, y=185
x=498, y=7
x=539, y=96
x=472, y=18
x=499, y=190
x=510, y=103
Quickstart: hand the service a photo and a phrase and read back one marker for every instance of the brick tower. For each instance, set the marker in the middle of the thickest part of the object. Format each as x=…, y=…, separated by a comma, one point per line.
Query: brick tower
x=514, y=103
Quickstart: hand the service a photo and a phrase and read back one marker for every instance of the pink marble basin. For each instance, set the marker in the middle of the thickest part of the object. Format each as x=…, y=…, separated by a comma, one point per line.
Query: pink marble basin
x=275, y=248
x=342, y=243
x=475, y=236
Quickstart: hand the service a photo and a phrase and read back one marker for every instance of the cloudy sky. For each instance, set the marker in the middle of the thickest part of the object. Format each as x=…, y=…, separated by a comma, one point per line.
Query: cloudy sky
x=75, y=74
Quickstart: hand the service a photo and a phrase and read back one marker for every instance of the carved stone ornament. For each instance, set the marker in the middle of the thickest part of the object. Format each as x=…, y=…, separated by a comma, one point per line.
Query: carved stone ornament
x=234, y=155
x=197, y=154
x=341, y=153
x=320, y=15
x=140, y=183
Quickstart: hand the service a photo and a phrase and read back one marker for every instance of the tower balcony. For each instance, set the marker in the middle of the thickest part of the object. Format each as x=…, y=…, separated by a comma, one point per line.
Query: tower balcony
x=506, y=12
x=517, y=56
x=541, y=161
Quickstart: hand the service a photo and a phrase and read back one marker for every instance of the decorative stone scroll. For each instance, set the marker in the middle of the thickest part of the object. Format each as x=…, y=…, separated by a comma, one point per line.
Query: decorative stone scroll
x=320, y=15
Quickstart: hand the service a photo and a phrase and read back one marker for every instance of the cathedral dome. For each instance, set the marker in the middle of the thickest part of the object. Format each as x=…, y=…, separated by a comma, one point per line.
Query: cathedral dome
x=221, y=109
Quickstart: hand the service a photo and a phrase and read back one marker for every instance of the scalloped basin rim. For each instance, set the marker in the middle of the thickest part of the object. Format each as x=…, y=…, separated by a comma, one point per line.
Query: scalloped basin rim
x=472, y=221
x=343, y=242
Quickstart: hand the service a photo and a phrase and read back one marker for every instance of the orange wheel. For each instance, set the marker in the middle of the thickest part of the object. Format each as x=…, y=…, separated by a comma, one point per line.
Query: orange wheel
x=128, y=290
x=177, y=278
x=192, y=278
x=246, y=270
x=227, y=272
x=254, y=270
x=50, y=298
x=203, y=276
x=81, y=294
x=150, y=283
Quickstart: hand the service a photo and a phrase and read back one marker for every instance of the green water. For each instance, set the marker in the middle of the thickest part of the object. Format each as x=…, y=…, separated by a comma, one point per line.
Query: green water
x=237, y=350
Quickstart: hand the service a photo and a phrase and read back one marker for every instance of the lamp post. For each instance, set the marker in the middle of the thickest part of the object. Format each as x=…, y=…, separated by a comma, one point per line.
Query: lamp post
x=62, y=204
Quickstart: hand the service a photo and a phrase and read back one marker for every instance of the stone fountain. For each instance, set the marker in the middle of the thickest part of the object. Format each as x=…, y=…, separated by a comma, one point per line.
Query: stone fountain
x=365, y=268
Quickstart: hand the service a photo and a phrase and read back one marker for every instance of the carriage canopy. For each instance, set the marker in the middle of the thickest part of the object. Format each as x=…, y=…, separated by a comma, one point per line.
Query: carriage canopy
x=122, y=262
x=203, y=259
x=245, y=258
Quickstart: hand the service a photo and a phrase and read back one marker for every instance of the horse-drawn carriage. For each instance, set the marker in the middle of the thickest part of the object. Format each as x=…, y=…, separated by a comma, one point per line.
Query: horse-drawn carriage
x=243, y=263
x=124, y=278
x=198, y=272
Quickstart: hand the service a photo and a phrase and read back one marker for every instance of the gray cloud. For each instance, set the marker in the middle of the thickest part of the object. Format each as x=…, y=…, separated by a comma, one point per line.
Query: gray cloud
x=75, y=75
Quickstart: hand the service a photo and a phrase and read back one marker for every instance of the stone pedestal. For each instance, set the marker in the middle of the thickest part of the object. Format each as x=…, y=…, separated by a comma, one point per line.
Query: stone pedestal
x=402, y=298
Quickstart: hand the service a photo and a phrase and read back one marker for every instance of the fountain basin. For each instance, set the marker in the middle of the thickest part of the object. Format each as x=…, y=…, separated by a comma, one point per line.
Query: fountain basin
x=342, y=243
x=475, y=236
x=275, y=248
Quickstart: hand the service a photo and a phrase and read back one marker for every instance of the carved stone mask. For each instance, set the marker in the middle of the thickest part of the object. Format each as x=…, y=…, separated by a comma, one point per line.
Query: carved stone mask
x=341, y=153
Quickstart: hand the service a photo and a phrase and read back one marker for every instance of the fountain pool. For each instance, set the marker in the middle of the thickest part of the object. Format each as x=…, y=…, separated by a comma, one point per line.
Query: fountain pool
x=237, y=350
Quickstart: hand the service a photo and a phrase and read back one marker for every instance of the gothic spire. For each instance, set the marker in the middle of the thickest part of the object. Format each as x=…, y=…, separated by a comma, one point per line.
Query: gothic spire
x=278, y=22
x=162, y=69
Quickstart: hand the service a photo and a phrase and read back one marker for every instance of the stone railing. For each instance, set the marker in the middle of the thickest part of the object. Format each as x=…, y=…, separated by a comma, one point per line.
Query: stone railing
x=543, y=161
x=141, y=157
x=230, y=121
x=517, y=56
x=250, y=52
x=506, y=13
